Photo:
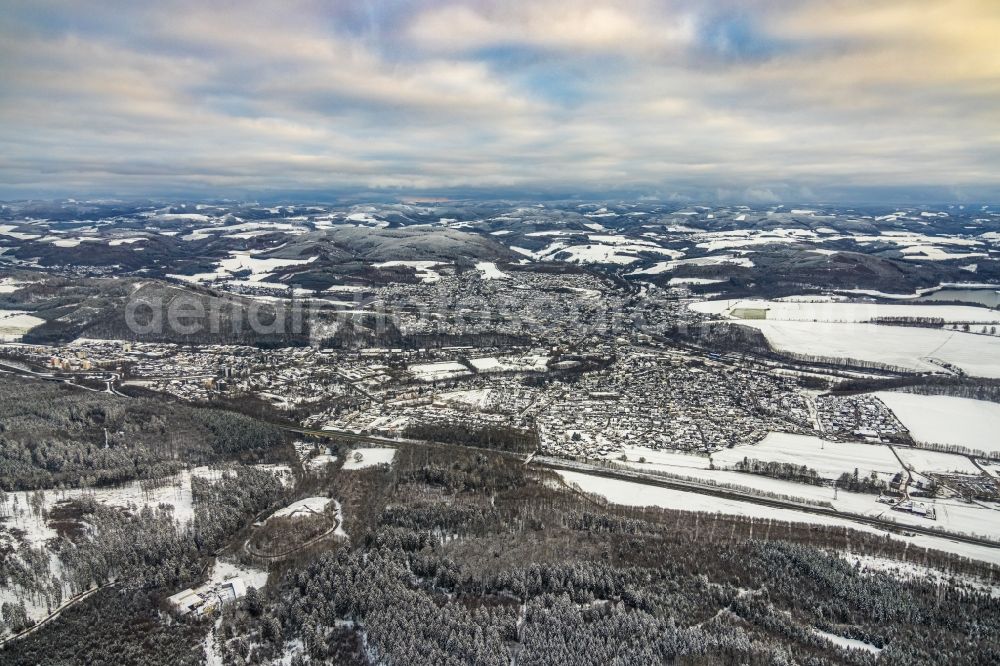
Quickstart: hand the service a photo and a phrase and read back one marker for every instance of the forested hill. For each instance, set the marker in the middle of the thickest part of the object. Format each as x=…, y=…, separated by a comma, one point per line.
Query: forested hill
x=52, y=434
x=100, y=307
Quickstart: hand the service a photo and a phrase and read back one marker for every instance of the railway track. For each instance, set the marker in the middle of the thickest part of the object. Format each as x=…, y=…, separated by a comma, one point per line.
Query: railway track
x=674, y=484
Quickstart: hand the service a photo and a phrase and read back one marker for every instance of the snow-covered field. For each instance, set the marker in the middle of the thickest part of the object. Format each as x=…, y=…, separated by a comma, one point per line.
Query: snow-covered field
x=309, y=506
x=489, y=271
x=715, y=260
x=369, y=458
x=240, y=261
x=784, y=310
x=471, y=398
x=668, y=460
x=429, y=372
x=829, y=459
x=906, y=347
x=955, y=517
x=10, y=285
x=527, y=363
x=680, y=281
x=939, y=419
x=243, y=261
x=15, y=323
x=638, y=494
x=924, y=461
x=424, y=269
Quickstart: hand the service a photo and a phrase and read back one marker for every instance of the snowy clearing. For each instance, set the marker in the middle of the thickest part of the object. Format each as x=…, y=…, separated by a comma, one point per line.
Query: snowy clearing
x=471, y=398
x=370, y=457
x=848, y=643
x=309, y=506
x=940, y=419
x=489, y=271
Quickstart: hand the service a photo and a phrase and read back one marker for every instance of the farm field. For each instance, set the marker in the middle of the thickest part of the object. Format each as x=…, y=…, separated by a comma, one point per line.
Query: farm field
x=911, y=348
x=829, y=459
x=925, y=461
x=940, y=419
x=838, y=312
x=638, y=494
x=15, y=323
x=369, y=458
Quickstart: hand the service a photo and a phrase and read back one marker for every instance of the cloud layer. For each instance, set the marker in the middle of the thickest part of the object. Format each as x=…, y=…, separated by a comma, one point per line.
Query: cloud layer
x=799, y=100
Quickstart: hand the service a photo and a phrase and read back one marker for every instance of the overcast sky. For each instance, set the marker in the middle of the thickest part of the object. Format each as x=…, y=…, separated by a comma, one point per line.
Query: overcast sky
x=754, y=100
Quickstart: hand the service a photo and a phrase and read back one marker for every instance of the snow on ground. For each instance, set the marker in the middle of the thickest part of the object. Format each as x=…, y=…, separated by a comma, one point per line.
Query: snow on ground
x=8, y=230
x=367, y=218
x=472, y=398
x=849, y=643
x=678, y=281
x=784, y=310
x=424, y=269
x=283, y=472
x=906, y=347
x=829, y=459
x=309, y=506
x=605, y=249
x=15, y=323
x=528, y=363
x=725, y=240
x=190, y=217
x=486, y=364
x=369, y=458
x=592, y=254
x=429, y=372
x=940, y=419
x=952, y=515
x=910, y=571
x=174, y=491
x=638, y=494
x=668, y=460
x=224, y=570
x=924, y=461
x=717, y=260
x=319, y=462
x=9, y=285
x=241, y=261
x=934, y=253
x=489, y=271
